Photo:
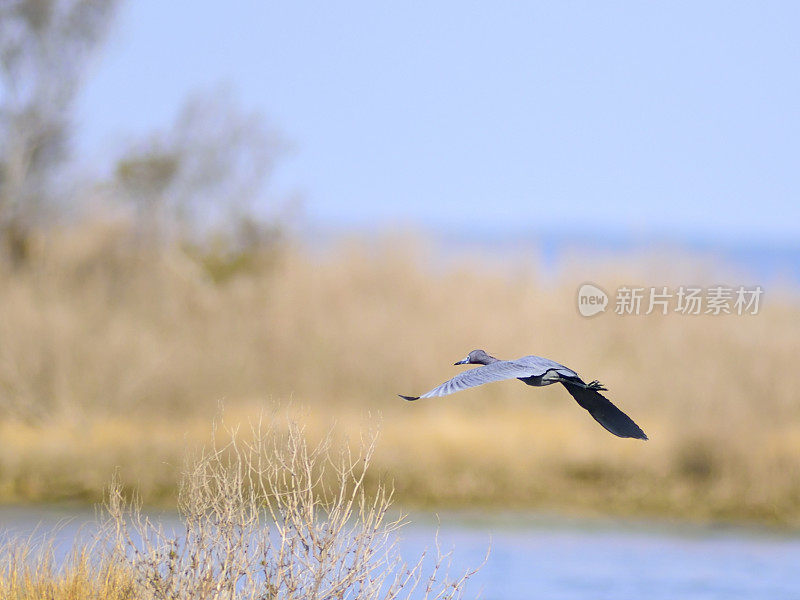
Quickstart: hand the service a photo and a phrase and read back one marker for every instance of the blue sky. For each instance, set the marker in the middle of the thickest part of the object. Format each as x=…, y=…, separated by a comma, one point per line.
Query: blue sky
x=679, y=118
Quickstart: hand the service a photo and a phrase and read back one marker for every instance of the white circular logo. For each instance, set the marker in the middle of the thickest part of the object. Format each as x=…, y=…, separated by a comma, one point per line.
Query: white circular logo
x=591, y=300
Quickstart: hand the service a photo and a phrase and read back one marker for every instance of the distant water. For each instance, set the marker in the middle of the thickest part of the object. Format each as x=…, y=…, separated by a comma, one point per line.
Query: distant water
x=540, y=557
x=586, y=560
x=759, y=262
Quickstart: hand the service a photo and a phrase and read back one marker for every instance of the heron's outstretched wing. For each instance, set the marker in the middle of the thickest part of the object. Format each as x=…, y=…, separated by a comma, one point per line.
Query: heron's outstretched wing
x=604, y=412
x=498, y=371
x=539, y=366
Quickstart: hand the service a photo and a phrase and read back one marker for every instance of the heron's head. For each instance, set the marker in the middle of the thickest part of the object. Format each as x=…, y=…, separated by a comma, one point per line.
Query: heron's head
x=476, y=357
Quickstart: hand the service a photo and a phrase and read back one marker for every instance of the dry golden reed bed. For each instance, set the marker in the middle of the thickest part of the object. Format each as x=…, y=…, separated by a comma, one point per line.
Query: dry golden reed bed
x=115, y=357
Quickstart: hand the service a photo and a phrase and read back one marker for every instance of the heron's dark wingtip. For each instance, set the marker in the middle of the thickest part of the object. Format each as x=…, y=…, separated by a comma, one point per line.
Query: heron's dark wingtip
x=635, y=432
x=409, y=398
x=634, y=435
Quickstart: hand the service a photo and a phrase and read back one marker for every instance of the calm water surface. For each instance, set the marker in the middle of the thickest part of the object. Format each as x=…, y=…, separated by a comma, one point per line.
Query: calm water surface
x=541, y=557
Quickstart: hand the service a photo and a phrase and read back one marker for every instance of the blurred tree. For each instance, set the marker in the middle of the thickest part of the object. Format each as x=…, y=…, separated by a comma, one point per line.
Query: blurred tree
x=44, y=48
x=203, y=177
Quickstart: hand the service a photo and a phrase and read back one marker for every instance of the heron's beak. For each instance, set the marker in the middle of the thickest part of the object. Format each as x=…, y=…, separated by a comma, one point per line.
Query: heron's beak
x=462, y=362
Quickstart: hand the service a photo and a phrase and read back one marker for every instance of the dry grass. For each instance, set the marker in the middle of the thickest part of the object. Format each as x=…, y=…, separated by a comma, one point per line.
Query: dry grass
x=264, y=514
x=108, y=357
x=30, y=571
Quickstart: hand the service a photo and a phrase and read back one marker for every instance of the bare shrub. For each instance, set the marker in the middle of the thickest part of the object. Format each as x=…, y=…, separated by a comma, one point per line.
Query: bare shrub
x=270, y=515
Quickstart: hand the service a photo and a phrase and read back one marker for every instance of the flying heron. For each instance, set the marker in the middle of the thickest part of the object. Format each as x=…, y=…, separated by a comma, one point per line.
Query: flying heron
x=538, y=371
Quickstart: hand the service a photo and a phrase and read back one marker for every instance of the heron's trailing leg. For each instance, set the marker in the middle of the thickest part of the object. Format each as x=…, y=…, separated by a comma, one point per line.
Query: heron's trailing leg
x=596, y=386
